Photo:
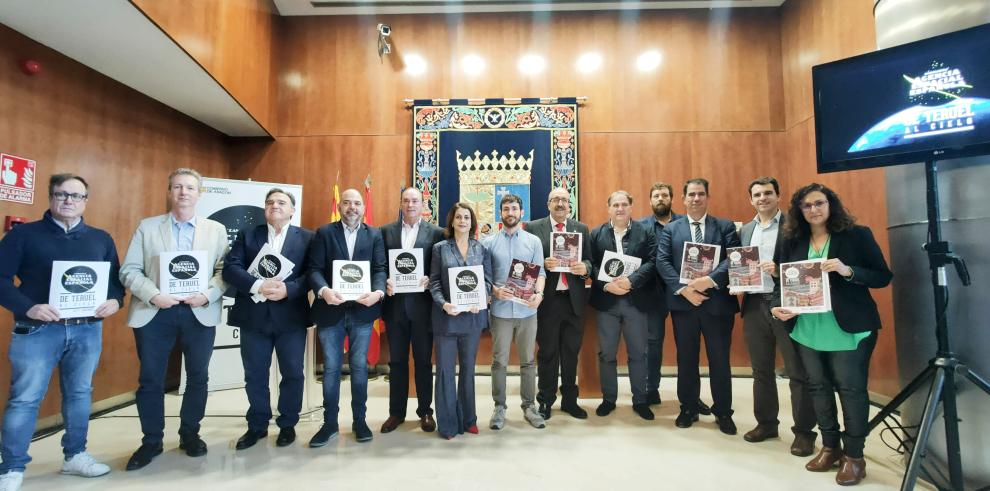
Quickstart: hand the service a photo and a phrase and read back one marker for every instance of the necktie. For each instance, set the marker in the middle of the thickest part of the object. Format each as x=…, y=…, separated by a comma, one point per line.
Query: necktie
x=697, y=232
x=563, y=276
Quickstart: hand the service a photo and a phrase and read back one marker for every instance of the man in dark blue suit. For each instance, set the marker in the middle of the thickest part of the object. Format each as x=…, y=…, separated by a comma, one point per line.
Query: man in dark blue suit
x=273, y=314
x=702, y=307
x=348, y=239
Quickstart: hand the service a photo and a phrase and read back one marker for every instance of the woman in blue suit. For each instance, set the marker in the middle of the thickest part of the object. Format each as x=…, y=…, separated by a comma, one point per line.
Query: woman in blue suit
x=456, y=333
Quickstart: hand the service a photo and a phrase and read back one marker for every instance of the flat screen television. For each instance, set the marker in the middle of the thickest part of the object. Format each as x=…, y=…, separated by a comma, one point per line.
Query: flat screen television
x=927, y=100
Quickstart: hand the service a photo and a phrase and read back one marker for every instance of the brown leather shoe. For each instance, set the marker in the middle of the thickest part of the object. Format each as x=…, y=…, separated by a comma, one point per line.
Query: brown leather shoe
x=427, y=423
x=826, y=459
x=804, y=444
x=851, y=471
x=761, y=433
x=392, y=423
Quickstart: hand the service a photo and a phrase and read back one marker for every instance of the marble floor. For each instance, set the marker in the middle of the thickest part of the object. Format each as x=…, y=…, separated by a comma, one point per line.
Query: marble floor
x=620, y=451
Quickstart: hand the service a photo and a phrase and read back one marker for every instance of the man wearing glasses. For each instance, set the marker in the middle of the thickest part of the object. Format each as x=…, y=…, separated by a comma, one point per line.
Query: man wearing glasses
x=43, y=338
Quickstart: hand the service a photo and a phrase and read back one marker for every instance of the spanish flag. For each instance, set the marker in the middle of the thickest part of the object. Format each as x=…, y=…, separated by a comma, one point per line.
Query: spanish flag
x=374, y=344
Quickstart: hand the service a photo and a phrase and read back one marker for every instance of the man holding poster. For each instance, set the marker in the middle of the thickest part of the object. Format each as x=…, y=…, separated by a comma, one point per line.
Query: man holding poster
x=187, y=311
x=266, y=266
x=45, y=335
x=409, y=242
x=346, y=243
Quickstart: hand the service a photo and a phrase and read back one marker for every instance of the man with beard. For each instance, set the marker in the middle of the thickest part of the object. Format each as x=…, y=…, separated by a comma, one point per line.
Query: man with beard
x=512, y=319
x=560, y=316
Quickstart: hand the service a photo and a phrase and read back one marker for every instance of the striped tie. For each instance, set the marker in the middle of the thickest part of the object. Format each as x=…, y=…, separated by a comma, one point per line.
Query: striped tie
x=697, y=232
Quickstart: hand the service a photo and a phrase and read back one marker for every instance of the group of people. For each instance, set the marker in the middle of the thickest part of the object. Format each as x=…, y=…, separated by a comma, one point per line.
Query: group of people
x=823, y=353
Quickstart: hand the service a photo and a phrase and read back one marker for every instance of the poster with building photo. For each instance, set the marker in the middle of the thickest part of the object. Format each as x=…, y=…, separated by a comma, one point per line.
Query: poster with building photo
x=78, y=287
x=698, y=260
x=804, y=287
x=521, y=282
x=744, y=269
x=565, y=247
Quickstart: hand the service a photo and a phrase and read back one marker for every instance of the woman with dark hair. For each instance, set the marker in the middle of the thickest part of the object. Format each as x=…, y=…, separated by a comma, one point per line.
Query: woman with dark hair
x=835, y=346
x=456, y=334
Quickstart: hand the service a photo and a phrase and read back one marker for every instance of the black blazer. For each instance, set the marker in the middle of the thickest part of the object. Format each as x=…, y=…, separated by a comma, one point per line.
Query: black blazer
x=660, y=288
x=329, y=244
x=292, y=312
x=575, y=284
x=852, y=304
x=411, y=305
x=670, y=249
x=639, y=242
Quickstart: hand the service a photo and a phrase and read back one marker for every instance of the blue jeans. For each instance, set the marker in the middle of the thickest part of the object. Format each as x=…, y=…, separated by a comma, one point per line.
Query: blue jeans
x=332, y=340
x=33, y=355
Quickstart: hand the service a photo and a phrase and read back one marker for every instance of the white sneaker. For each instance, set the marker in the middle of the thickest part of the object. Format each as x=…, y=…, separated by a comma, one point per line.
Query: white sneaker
x=534, y=417
x=11, y=481
x=83, y=464
x=498, y=418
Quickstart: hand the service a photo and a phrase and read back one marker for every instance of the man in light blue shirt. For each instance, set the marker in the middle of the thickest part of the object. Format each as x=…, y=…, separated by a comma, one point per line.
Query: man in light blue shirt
x=511, y=318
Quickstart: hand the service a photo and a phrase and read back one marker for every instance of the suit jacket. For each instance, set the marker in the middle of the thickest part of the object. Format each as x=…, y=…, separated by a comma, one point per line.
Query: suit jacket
x=575, y=284
x=639, y=242
x=854, y=308
x=140, y=271
x=292, y=312
x=746, y=234
x=411, y=305
x=446, y=256
x=670, y=249
x=329, y=244
x=660, y=293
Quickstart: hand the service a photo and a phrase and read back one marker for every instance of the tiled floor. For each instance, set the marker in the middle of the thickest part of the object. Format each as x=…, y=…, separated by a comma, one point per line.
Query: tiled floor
x=620, y=451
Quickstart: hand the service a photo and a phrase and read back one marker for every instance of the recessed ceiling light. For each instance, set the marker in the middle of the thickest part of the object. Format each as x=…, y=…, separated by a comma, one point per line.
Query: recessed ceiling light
x=532, y=64
x=415, y=64
x=589, y=62
x=648, y=61
x=473, y=64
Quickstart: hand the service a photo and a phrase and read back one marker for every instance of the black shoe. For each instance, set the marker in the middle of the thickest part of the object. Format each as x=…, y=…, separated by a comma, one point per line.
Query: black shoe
x=361, y=431
x=193, y=445
x=686, y=419
x=249, y=438
x=322, y=437
x=653, y=397
x=643, y=410
x=574, y=410
x=605, y=408
x=544, y=410
x=143, y=455
x=703, y=408
x=725, y=425
x=286, y=436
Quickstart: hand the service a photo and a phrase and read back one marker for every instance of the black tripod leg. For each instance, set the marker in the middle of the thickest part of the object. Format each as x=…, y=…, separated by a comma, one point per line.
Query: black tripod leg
x=978, y=381
x=951, y=417
x=921, y=442
x=902, y=396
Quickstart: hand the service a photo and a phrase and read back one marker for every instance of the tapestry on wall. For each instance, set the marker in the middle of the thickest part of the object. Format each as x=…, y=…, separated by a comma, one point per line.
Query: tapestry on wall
x=479, y=153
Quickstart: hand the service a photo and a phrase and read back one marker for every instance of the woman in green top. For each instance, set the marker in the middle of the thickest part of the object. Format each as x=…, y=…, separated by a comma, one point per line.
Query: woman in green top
x=835, y=347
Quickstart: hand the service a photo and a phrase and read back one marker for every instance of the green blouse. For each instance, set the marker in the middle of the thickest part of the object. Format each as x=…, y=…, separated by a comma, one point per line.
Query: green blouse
x=821, y=331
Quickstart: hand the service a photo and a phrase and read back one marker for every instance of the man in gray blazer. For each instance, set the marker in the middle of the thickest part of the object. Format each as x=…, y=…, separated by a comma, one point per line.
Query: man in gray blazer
x=560, y=318
x=764, y=334
x=160, y=319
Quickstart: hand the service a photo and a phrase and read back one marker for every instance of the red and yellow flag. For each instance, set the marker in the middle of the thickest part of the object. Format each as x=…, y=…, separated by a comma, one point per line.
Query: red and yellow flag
x=374, y=345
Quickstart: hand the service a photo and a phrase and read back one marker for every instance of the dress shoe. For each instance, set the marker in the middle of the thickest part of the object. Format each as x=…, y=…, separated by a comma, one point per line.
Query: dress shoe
x=643, y=410
x=804, y=444
x=143, y=455
x=427, y=423
x=361, y=431
x=826, y=459
x=193, y=445
x=726, y=425
x=322, y=437
x=545, y=410
x=392, y=423
x=249, y=438
x=653, y=397
x=761, y=433
x=851, y=471
x=704, y=408
x=605, y=408
x=686, y=419
x=286, y=436
x=574, y=410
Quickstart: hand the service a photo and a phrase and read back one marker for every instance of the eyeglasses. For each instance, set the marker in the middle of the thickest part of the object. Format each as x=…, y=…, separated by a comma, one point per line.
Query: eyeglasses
x=820, y=204
x=559, y=200
x=61, y=196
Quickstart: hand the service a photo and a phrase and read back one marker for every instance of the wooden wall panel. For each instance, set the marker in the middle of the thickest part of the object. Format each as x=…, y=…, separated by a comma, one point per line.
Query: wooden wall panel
x=72, y=119
x=230, y=39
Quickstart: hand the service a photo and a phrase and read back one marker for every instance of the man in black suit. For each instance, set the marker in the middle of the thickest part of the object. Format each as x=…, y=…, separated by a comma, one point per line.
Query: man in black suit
x=765, y=335
x=623, y=302
x=560, y=317
x=407, y=317
x=273, y=314
x=347, y=239
x=702, y=307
